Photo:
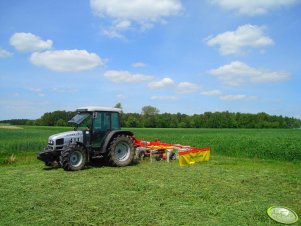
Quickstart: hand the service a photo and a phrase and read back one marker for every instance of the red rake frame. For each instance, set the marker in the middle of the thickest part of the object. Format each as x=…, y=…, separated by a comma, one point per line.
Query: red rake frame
x=163, y=150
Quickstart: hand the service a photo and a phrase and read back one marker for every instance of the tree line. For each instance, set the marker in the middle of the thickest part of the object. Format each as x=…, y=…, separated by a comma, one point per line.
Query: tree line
x=209, y=120
x=56, y=118
x=150, y=117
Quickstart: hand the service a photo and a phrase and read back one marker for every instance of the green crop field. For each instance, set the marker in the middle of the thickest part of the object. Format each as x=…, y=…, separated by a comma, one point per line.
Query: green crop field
x=249, y=171
x=25, y=141
x=279, y=144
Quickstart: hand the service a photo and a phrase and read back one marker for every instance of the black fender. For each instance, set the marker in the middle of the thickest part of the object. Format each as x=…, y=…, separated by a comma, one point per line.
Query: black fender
x=111, y=136
x=76, y=143
x=81, y=144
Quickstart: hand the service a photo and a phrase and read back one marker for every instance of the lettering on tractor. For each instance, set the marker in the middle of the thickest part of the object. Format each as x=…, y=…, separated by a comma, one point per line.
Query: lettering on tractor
x=97, y=134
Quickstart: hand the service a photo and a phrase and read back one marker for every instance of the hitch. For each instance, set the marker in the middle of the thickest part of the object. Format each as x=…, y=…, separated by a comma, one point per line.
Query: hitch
x=50, y=157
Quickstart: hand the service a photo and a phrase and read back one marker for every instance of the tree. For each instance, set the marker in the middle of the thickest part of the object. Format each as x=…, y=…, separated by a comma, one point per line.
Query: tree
x=61, y=122
x=118, y=105
x=150, y=110
x=51, y=118
x=149, y=116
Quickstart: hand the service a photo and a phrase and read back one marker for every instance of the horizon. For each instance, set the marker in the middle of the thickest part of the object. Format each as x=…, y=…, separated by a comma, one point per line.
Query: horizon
x=284, y=116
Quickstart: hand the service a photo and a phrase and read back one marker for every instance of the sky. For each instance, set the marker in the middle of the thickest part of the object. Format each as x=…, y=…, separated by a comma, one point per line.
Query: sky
x=178, y=56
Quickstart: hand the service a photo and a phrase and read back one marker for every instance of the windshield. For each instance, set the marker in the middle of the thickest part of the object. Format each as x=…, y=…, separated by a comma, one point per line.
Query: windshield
x=82, y=120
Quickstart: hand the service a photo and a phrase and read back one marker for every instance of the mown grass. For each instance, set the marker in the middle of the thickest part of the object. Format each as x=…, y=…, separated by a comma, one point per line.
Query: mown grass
x=223, y=191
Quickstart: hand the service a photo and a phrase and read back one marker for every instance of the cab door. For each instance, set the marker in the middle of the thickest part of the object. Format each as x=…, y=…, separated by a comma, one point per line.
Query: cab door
x=101, y=126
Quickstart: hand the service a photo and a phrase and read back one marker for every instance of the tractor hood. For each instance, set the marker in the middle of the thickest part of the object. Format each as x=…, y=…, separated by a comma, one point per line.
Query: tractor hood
x=69, y=134
x=59, y=140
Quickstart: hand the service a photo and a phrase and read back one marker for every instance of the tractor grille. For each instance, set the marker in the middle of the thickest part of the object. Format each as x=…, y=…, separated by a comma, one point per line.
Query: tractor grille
x=59, y=141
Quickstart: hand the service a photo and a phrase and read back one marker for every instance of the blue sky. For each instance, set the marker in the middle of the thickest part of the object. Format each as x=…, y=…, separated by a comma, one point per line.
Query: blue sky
x=179, y=56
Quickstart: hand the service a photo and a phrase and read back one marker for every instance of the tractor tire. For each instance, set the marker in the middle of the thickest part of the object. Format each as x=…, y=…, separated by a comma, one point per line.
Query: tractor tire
x=121, y=151
x=73, y=158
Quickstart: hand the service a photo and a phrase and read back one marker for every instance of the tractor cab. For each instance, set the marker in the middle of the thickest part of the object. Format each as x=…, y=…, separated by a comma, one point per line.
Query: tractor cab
x=96, y=123
x=97, y=118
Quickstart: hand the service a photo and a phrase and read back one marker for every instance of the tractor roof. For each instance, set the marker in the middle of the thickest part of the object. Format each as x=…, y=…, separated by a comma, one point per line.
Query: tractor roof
x=95, y=108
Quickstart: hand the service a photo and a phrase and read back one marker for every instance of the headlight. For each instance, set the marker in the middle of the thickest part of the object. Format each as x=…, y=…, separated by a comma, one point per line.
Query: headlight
x=50, y=142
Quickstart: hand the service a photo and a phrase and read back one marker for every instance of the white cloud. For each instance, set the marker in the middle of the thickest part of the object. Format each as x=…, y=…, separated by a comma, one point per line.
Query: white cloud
x=187, y=87
x=161, y=84
x=239, y=97
x=115, y=31
x=143, y=12
x=64, y=90
x=112, y=33
x=137, y=10
x=214, y=92
x=232, y=42
x=254, y=7
x=123, y=25
x=163, y=98
x=66, y=60
x=4, y=53
x=29, y=42
x=139, y=64
x=37, y=91
x=125, y=76
x=121, y=97
x=237, y=73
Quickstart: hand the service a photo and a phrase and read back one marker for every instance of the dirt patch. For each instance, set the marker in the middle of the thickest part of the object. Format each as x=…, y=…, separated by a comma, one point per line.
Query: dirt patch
x=10, y=127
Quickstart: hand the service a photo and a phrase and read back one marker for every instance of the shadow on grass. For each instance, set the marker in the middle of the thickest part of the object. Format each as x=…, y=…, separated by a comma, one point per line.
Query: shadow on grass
x=94, y=163
x=48, y=168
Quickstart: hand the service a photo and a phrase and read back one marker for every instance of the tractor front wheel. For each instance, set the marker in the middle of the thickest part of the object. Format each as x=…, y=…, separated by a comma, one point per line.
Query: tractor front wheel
x=73, y=158
x=121, y=151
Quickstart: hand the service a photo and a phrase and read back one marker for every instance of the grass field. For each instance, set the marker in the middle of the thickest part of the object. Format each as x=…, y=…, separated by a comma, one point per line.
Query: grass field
x=25, y=141
x=279, y=144
x=235, y=190
x=223, y=191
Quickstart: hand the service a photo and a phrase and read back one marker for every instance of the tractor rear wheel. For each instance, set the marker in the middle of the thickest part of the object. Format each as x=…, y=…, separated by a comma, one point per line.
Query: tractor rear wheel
x=73, y=158
x=121, y=151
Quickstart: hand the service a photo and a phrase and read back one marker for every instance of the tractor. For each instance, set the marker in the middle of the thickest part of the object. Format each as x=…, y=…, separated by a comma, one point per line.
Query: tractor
x=97, y=134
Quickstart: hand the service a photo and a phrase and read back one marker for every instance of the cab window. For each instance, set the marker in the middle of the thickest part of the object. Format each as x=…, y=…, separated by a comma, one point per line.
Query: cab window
x=115, y=121
x=101, y=121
